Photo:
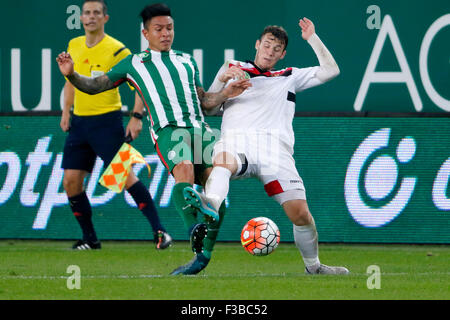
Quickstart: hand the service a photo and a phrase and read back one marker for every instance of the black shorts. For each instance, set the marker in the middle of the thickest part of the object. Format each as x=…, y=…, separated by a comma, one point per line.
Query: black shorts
x=92, y=136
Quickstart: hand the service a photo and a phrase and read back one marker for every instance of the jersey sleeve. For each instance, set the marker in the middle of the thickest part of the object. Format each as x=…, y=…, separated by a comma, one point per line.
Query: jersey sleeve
x=120, y=54
x=118, y=73
x=305, y=78
x=217, y=85
x=196, y=74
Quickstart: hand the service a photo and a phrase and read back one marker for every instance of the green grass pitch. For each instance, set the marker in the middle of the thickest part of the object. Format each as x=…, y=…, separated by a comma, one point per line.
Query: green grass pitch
x=37, y=269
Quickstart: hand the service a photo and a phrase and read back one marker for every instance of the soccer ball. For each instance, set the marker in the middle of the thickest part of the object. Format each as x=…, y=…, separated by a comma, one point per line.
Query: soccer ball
x=260, y=236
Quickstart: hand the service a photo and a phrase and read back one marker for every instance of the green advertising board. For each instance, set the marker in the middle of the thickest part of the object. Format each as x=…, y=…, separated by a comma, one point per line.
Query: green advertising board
x=367, y=180
x=393, y=55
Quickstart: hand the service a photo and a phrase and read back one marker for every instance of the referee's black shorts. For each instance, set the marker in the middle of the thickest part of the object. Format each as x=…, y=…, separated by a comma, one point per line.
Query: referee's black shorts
x=92, y=136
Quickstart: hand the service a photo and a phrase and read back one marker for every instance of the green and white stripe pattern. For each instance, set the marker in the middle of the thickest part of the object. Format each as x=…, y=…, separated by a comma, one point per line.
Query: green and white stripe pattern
x=167, y=81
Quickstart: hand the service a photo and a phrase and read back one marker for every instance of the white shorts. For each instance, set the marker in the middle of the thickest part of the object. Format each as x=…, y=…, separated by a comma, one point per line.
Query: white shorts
x=266, y=158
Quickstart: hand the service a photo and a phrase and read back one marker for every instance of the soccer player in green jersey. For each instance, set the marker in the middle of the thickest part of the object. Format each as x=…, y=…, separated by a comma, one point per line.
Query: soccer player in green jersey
x=168, y=83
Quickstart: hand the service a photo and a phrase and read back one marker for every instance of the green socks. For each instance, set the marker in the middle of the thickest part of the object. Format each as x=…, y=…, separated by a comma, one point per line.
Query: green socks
x=189, y=216
x=213, y=231
x=188, y=213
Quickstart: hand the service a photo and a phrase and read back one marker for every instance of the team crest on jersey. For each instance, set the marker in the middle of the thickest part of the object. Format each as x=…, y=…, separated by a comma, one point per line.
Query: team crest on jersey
x=143, y=55
x=182, y=59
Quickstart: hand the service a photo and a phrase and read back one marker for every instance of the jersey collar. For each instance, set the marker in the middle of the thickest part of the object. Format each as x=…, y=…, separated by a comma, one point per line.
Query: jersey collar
x=152, y=53
x=258, y=72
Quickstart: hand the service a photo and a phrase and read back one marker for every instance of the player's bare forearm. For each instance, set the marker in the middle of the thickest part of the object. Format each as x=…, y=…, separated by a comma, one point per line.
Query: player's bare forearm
x=328, y=67
x=138, y=104
x=69, y=95
x=90, y=85
x=210, y=100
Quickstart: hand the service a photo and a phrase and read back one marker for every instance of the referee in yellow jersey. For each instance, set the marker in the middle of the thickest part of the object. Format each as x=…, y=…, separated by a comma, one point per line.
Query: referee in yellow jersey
x=96, y=128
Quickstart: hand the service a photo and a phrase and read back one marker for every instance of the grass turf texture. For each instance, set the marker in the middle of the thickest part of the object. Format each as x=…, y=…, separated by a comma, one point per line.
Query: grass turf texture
x=135, y=270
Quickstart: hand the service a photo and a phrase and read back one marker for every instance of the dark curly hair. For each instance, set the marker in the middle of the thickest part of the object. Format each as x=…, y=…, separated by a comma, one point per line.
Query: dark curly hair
x=278, y=32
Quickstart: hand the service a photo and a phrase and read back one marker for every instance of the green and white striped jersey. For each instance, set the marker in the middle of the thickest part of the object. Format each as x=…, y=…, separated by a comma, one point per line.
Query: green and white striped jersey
x=166, y=82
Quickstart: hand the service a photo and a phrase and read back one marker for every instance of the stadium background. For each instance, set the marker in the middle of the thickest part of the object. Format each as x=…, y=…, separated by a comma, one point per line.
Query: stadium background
x=328, y=127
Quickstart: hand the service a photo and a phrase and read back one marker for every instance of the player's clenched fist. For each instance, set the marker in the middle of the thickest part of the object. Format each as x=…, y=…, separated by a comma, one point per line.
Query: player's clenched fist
x=65, y=63
x=234, y=72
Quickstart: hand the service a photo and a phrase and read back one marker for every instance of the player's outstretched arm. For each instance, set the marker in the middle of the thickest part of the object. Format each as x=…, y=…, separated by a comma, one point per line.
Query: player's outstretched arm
x=210, y=100
x=224, y=74
x=82, y=83
x=91, y=85
x=328, y=66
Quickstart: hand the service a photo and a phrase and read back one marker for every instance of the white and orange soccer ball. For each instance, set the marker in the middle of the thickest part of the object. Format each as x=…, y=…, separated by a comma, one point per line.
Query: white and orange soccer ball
x=260, y=236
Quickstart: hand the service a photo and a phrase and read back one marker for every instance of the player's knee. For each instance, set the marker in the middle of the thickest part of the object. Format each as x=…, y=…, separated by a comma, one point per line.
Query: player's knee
x=298, y=212
x=72, y=185
x=66, y=183
x=300, y=215
x=226, y=160
x=184, y=172
x=131, y=180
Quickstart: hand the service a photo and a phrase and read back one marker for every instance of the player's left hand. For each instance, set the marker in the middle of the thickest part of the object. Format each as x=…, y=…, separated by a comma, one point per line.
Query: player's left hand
x=307, y=27
x=134, y=128
x=236, y=88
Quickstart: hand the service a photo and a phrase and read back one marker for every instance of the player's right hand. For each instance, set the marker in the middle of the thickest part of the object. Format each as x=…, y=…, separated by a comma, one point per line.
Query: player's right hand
x=133, y=129
x=308, y=28
x=234, y=72
x=236, y=88
x=65, y=64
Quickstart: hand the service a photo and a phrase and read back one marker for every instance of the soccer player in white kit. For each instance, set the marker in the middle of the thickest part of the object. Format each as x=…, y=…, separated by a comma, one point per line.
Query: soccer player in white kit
x=257, y=138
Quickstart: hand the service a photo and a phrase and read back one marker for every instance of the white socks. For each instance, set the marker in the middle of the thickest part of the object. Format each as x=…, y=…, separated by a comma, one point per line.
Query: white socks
x=306, y=237
x=306, y=240
x=217, y=186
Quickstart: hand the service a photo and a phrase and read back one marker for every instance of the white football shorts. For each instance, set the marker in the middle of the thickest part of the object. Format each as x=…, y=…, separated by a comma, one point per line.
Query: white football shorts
x=262, y=156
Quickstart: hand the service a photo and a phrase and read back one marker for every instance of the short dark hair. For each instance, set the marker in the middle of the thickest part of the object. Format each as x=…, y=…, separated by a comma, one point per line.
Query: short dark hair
x=154, y=10
x=278, y=32
x=103, y=3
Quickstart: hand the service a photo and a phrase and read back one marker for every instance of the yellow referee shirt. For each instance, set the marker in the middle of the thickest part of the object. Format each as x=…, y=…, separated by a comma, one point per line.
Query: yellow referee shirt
x=94, y=62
